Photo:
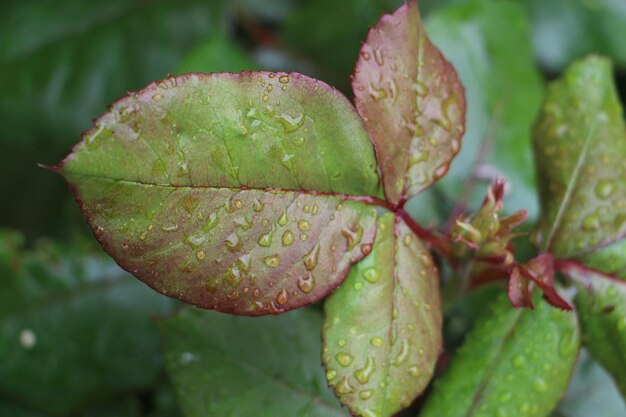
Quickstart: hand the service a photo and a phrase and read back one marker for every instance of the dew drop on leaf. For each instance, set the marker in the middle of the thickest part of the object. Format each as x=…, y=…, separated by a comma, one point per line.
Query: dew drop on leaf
x=344, y=359
x=288, y=238
x=272, y=261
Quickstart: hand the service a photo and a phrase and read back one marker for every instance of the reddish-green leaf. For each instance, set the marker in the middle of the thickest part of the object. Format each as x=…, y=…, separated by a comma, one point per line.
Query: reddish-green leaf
x=411, y=101
x=580, y=148
x=601, y=305
x=514, y=362
x=382, y=327
x=238, y=192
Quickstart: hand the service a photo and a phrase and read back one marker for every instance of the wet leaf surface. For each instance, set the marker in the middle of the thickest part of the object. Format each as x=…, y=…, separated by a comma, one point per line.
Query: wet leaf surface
x=239, y=192
x=411, y=101
x=601, y=305
x=513, y=362
x=580, y=148
x=382, y=327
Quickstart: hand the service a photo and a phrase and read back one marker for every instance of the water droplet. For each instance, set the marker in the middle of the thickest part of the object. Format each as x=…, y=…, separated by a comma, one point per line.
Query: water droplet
x=233, y=276
x=365, y=55
x=282, y=297
x=540, y=384
x=604, y=189
x=377, y=93
x=366, y=394
x=363, y=375
x=353, y=237
x=200, y=255
x=265, y=240
x=257, y=205
x=288, y=238
x=233, y=242
x=243, y=263
x=310, y=259
x=377, y=341
x=331, y=374
x=403, y=354
x=195, y=241
x=298, y=141
x=371, y=274
x=341, y=342
x=344, y=359
x=414, y=371
x=449, y=108
x=265, y=97
x=406, y=240
x=282, y=221
x=211, y=222
x=303, y=236
x=378, y=56
x=272, y=261
x=28, y=339
x=171, y=228
x=591, y=222
x=143, y=235
x=190, y=203
x=505, y=397
x=420, y=89
x=283, y=79
x=304, y=225
x=343, y=386
x=518, y=361
x=306, y=283
x=568, y=344
x=157, y=97
x=366, y=249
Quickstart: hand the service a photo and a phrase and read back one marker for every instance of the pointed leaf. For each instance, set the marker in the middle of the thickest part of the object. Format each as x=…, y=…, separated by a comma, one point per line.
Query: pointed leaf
x=236, y=366
x=515, y=362
x=412, y=102
x=580, y=148
x=601, y=305
x=382, y=327
x=229, y=191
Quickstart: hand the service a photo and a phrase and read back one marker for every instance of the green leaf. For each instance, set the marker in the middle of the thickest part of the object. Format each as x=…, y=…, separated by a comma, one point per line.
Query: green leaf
x=75, y=327
x=382, y=327
x=218, y=54
x=590, y=390
x=580, y=148
x=514, y=362
x=601, y=305
x=489, y=45
x=236, y=366
x=610, y=259
x=237, y=192
x=564, y=30
x=411, y=101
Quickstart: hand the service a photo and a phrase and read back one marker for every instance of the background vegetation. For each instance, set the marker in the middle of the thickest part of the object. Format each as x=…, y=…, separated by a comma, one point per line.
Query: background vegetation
x=77, y=335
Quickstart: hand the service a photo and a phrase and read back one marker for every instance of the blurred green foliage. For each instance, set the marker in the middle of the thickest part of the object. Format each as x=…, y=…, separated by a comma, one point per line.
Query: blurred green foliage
x=79, y=332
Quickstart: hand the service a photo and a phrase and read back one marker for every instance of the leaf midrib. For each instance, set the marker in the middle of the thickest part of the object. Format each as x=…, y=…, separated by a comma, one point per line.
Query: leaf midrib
x=476, y=397
x=570, y=188
x=369, y=200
